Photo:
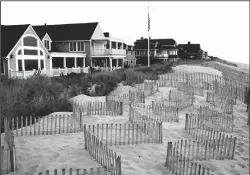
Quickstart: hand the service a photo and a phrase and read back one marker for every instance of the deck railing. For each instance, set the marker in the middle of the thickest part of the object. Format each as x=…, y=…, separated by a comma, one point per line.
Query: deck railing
x=49, y=72
x=106, y=52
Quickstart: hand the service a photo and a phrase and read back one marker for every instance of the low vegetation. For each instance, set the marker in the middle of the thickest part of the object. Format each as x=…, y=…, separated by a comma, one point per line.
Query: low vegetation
x=41, y=95
x=222, y=61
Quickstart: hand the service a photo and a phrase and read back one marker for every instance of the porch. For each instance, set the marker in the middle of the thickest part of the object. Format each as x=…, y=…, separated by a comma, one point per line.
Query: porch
x=57, y=64
x=108, y=63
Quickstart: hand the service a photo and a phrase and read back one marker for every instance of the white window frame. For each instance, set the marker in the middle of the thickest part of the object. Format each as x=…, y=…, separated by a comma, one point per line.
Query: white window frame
x=30, y=57
x=45, y=45
x=77, y=46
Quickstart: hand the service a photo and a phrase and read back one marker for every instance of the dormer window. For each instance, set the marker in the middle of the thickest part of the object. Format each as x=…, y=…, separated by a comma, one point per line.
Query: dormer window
x=47, y=44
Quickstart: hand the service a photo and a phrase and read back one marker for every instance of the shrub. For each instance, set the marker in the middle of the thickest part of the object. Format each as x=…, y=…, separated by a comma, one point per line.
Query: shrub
x=40, y=95
x=35, y=96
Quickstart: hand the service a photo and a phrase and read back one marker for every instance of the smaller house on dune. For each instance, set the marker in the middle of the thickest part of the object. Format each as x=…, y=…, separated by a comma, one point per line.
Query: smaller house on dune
x=160, y=49
x=190, y=51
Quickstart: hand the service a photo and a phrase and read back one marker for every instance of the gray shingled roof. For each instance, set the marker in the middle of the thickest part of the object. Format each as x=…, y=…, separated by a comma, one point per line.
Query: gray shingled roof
x=10, y=34
x=63, y=32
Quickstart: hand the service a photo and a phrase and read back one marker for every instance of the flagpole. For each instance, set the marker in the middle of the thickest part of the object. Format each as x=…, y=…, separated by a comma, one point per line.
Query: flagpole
x=148, y=38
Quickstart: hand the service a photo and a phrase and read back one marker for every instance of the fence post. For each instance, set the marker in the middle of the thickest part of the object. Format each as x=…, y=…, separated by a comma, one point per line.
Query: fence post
x=130, y=112
x=80, y=112
x=177, y=116
x=207, y=97
x=168, y=151
x=118, y=166
x=186, y=122
x=234, y=145
x=143, y=97
x=85, y=137
x=160, y=132
x=121, y=108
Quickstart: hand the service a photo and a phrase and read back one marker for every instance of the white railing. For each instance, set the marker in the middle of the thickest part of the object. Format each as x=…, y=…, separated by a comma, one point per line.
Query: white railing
x=159, y=55
x=48, y=72
x=106, y=52
x=118, y=52
x=106, y=69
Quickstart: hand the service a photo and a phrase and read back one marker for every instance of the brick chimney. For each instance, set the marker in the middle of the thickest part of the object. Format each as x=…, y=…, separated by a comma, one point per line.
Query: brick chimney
x=106, y=34
x=45, y=24
x=188, y=42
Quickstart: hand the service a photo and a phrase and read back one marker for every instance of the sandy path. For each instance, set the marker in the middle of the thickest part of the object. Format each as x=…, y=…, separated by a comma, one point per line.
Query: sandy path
x=40, y=153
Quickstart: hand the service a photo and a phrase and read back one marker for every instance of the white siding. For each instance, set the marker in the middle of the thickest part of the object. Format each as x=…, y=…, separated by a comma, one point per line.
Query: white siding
x=98, y=34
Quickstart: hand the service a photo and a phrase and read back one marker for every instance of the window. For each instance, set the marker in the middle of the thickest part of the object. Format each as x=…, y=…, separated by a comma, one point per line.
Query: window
x=113, y=45
x=42, y=64
x=119, y=45
x=76, y=46
x=70, y=62
x=30, y=41
x=30, y=52
x=31, y=64
x=19, y=52
x=41, y=53
x=79, y=62
x=107, y=46
x=2, y=66
x=20, y=65
x=46, y=44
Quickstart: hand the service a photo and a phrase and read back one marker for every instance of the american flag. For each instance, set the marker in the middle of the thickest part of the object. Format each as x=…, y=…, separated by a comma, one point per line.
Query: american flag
x=148, y=22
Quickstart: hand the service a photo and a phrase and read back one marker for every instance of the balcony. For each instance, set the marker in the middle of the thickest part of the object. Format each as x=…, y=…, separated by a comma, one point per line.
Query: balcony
x=163, y=56
x=108, y=52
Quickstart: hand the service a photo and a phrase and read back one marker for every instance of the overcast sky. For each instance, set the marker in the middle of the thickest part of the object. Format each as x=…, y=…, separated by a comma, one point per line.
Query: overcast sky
x=222, y=28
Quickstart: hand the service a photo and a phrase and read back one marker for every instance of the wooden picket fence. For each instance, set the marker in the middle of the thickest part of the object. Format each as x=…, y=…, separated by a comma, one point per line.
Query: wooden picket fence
x=165, y=113
x=160, y=113
x=191, y=167
x=227, y=91
x=231, y=73
x=205, y=81
x=47, y=125
x=8, y=154
x=206, y=134
x=101, y=153
x=71, y=171
x=221, y=123
x=114, y=134
x=98, y=108
x=180, y=158
x=212, y=111
x=179, y=99
x=126, y=98
x=221, y=101
x=121, y=97
x=7, y=160
x=149, y=88
x=194, y=90
x=175, y=95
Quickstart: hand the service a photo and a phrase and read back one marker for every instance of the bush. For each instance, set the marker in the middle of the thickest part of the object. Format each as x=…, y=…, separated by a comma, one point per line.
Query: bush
x=35, y=96
x=40, y=95
x=222, y=61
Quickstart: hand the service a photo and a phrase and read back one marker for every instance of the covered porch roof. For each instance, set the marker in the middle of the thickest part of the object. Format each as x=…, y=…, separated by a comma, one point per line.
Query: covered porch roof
x=111, y=56
x=67, y=54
